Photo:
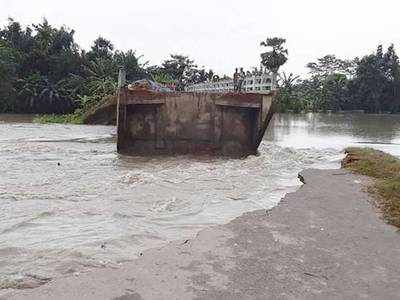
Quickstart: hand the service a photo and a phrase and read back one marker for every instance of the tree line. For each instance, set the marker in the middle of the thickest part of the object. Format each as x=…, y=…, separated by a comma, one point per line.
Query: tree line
x=43, y=69
x=371, y=84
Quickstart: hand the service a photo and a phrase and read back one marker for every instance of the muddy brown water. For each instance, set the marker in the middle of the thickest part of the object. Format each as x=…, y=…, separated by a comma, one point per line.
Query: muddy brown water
x=69, y=203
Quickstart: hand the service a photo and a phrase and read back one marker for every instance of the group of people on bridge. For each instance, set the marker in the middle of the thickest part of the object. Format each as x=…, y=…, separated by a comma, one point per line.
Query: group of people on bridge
x=238, y=79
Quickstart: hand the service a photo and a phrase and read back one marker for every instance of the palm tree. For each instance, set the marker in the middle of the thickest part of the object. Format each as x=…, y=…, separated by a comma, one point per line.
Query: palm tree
x=287, y=81
x=275, y=58
x=135, y=69
x=44, y=95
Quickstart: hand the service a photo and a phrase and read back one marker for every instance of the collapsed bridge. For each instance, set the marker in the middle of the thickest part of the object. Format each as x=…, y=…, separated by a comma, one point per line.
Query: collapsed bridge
x=152, y=122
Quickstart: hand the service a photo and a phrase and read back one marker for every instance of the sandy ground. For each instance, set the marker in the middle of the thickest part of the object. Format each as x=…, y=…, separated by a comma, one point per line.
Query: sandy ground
x=325, y=241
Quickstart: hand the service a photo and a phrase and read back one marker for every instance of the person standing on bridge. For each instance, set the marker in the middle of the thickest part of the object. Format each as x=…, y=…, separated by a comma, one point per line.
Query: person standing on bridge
x=242, y=76
x=236, y=80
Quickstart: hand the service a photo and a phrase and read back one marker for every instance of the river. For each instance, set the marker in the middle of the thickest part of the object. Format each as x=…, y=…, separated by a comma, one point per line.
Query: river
x=69, y=203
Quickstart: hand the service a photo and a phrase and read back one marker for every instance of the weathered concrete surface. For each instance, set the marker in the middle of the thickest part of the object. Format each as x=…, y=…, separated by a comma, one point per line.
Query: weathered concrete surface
x=325, y=241
x=104, y=114
x=183, y=122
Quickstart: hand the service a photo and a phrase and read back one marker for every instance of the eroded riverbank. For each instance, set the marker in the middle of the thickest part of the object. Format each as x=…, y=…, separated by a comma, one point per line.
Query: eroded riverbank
x=321, y=241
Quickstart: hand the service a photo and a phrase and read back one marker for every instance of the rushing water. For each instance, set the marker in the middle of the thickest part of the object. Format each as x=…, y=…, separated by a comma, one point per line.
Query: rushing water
x=69, y=202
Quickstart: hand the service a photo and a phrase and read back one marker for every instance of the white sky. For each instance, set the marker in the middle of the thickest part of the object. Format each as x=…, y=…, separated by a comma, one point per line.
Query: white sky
x=222, y=34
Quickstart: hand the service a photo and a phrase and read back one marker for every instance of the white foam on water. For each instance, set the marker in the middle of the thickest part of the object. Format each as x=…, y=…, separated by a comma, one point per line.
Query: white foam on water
x=70, y=203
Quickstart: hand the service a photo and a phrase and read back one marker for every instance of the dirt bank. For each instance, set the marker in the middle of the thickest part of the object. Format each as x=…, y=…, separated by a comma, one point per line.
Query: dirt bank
x=103, y=114
x=324, y=241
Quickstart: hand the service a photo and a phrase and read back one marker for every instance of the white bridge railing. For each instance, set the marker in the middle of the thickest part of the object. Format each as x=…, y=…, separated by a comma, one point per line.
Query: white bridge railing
x=255, y=84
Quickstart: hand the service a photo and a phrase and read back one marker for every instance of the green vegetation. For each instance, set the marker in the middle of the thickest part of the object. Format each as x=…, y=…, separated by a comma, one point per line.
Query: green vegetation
x=44, y=71
x=74, y=118
x=275, y=58
x=371, y=84
x=386, y=170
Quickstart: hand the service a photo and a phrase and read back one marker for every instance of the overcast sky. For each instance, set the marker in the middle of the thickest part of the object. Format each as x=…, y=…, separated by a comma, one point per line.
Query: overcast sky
x=222, y=34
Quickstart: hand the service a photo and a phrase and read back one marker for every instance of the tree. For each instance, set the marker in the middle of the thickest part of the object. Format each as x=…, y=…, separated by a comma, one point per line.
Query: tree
x=44, y=56
x=391, y=70
x=42, y=69
x=275, y=58
x=101, y=49
x=8, y=76
x=180, y=68
x=330, y=64
x=162, y=78
x=196, y=76
x=288, y=81
x=376, y=85
x=100, y=80
x=17, y=38
x=333, y=94
x=287, y=95
x=135, y=70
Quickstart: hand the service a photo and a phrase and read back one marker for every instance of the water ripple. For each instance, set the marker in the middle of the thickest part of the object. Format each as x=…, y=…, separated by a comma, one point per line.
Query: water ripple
x=69, y=202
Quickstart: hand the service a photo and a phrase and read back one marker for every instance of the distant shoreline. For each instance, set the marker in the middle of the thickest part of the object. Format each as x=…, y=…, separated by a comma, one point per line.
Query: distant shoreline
x=75, y=119
x=16, y=118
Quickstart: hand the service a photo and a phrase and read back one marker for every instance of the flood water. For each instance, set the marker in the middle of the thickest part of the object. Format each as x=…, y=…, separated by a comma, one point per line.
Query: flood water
x=69, y=203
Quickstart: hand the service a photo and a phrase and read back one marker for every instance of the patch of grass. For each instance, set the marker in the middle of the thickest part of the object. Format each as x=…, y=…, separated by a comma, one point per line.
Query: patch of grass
x=62, y=119
x=385, y=169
